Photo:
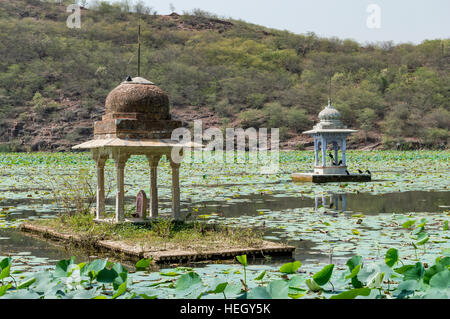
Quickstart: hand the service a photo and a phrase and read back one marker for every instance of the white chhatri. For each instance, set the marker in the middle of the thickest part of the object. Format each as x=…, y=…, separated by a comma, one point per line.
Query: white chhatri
x=330, y=131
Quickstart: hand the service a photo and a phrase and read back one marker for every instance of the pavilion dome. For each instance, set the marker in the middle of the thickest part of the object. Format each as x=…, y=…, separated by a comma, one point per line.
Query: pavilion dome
x=329, y=113
x=138, y=95
x=330, y=118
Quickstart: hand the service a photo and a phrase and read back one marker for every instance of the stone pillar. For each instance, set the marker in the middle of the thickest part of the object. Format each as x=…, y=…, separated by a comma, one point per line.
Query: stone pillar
x=100, y=189
x=316, y=152
x=324, y=152
x=175, y=189
x=100, y=161
x=120, y=160
x=344, y=160
x=153, y=161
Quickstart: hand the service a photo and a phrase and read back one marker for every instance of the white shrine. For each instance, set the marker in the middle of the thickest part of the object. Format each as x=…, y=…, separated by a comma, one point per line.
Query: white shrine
x=331, y=166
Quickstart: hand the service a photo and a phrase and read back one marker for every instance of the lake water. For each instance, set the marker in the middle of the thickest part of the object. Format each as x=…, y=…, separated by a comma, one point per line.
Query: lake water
x=13, y=242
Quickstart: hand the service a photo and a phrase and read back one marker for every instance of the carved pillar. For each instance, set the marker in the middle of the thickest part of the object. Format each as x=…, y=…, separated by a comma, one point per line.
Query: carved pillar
x=344, y=160
x=100, y=161
x=120, y=160
x=316, y=151
x=175, y=189
x=153, y=161
x=324, y=152
x=100, y=188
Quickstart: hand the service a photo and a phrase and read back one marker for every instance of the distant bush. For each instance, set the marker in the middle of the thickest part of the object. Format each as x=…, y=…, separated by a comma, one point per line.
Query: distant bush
x=42, y=107
x=12, y=146
x=256, y=100
x=367, y=118
x=274, y=113
x=437, y=136
x=297, y=119
x=252, y=118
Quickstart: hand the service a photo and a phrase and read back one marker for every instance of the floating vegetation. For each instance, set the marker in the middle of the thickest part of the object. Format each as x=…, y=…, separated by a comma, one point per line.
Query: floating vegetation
x=419, y=236
x=102, y=279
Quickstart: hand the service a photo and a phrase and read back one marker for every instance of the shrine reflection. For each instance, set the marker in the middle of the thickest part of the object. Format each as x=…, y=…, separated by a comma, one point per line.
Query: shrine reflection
x=335, y=202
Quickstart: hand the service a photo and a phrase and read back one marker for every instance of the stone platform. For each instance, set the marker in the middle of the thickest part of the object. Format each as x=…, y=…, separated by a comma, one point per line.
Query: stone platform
x=161, y=255
x=328, y=178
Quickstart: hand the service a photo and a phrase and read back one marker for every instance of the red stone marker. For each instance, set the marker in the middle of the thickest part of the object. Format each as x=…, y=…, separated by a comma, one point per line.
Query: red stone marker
x=141, y=205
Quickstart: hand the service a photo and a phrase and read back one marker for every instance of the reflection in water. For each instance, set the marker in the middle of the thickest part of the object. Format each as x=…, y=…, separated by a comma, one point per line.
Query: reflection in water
x=334, y=200
x=13, y=242
x=368, y=204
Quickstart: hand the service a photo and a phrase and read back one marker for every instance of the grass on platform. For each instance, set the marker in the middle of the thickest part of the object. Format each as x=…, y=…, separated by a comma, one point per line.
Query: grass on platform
x=161, y=233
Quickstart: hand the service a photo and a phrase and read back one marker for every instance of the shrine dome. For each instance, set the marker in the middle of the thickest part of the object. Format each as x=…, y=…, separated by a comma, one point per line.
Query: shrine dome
x=138, y=95
x=329, y=113
x=329, y=119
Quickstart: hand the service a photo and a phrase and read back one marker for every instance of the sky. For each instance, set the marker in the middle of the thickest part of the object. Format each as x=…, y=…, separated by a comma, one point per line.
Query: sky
x=399, y=21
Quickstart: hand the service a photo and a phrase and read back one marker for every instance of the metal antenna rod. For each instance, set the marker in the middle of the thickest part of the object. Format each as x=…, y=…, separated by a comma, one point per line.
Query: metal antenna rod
x=329, y=92
x=139, y=50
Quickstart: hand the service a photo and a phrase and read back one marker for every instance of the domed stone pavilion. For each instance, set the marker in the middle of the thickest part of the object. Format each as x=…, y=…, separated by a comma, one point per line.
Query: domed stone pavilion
x=137, y=121
x=328, y=167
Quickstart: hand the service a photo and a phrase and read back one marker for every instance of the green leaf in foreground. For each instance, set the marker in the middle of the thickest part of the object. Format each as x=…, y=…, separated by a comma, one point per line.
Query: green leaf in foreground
x=170, y=274
x=5, y=267
x=62, y=267
x=290, y=268
x=107, y=275
x=414, y=273
x=323, y=276
x=259, y=293
x=242, y=259
x=187, y=281
x=4, y=288
x=122, y=288
x=95, y=267
x=220, y=288
x=312, y=285
x=441, y=280
x=391, y=257
x=143, y=264
x=407, y=286
x=26, y=283
x=375, y=280
x=353, y=262
x=278, y=289
x=403, y=269
x=261, y=275
x=352, y=294
x=408, y=223
x=119, y=280
x=354, y=272
x=441, y=264
x=422, y=238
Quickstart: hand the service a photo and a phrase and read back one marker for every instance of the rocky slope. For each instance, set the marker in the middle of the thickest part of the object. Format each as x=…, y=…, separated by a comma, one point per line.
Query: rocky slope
x=54, y=80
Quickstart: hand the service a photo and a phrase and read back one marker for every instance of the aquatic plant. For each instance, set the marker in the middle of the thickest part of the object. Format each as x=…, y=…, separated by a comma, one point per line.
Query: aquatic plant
x=101, y=279
x=339, y=235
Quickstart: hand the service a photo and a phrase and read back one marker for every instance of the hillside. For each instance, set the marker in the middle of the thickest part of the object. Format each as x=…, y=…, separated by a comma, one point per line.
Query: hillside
x=54, y=80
